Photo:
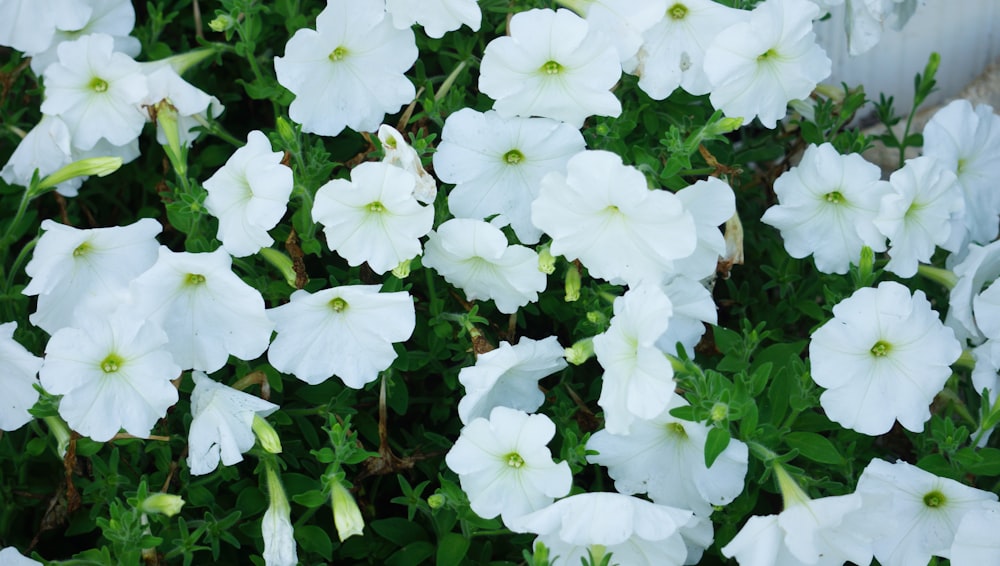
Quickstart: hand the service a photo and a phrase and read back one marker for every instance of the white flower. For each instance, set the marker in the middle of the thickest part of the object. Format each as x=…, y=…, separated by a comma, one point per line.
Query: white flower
x=113, y=373
x=551, y=65
x=474, y=256
x=11, y=557
x=975, y=542
x=74, y=271
x=436, y=16
x=276, y=526
x=919, y=511
x=45, y=148
x=374, y=217
x=402, y=155
x=602, y=213
x=508, y=377
x=864, y=21
x=638, y=378
x=504, y=466
x=623, y=22
x=249, y=195
x=673, y=51
x=711, y=203
x=827, y=206
x=693, y=306
x=29, y=25
x=349, y=71
x=18, y=372
x=497, y=164
x=112, y=17
x=191, y=105
x=757, y=66
x=980, y=267
x=96, y=91
x=221, y=424
x=633, y=531
x=346, y=331
x=207, y=311
x=919, y=214
x=665, y=457
x=883, y=357
x=967, y=142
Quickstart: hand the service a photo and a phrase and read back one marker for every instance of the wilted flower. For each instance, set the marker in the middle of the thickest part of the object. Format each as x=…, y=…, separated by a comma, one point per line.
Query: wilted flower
x=276, y=526
x=18, y=373
x=348, y=72
x=551, y=65
x=504, y=466
x=346, y=331
x=711, y=203
x=249, y=195
x=883, y=357
x=401, y=154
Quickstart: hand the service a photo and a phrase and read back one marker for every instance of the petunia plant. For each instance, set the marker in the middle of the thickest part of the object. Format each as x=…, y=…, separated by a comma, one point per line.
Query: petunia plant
x=459, y=282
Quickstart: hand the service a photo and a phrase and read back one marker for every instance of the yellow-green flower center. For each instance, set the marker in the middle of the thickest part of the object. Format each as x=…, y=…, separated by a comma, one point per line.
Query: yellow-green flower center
x=513, y=157
x=338, y=305
x=834, y=197
x=338, y=54
x=677, y=429
x=376, y=207
x=881, y=349
x=769, y=54
x=677, y=12
x=81, y=250
x=552, y=68
x=112, y=363
x=97, y=84
x=514, y=460
x=194, y=279
x=935, y=499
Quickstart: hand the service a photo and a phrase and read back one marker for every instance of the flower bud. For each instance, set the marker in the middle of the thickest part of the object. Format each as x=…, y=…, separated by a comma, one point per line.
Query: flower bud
x=285, y=131
x=162, y=503
x=222, y=22
x=580, y=352
x=266, y=434
x=276, y=526
x=402, y=271
x=720, y=411
x=546, y=261
x=597, y=317
x=282, y=262
x=572, y=284
x=436, y=501
x=60, y=431
x=346, y=515
x=100, y=166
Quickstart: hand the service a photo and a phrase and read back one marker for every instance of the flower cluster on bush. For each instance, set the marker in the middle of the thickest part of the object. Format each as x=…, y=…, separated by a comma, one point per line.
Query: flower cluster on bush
x=623, y=149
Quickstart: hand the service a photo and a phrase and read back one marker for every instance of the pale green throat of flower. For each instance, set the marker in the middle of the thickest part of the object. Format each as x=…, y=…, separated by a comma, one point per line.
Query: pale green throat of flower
x=338, y=305
x=81, y=250
x=551, y=68
x=834, y=197
x=767, y=55
x=376, y=207
x=194, y=279
x=513, y=157
x=677, y=429
x=97, y=84
x=881, y=349
x=338, y=54
x=935, y=499
x=514, y=460
x=112, y=363
x=677, y=12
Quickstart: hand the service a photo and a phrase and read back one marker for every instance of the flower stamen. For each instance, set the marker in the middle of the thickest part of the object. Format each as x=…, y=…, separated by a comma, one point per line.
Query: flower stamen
x=881, y=349
x=514, y=460
x=677, y=12
x=513, y=157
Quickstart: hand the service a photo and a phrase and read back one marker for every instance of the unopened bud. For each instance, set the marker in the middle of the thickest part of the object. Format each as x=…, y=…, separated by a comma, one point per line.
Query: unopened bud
x=163, y=504
x=100, y=166
x=266, y=434
x=346, y=515
x=579, y=352
x=572, y=283
x=402, y=271
x=546, y=261
x=222, y=22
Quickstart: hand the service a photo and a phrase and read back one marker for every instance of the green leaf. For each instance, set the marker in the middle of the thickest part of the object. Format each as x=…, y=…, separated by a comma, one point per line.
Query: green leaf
x=814, y=447
x=399, y=531
x=452, y=548
x=982, y=462
x=311, y=499
x=314, y=539
x=715, y=444
x=411, y=554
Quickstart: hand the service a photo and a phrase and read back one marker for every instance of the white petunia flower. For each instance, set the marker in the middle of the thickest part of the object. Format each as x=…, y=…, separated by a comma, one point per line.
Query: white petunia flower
x=18, y=372
x=673, y=51
x=30, y=25
x=634, y=531
x=693, y=306
x=436, y=16
x=976, y=542
x=113, y=373
x=374, y=217
x=191, y=105
x=96, y=91
x=249, y=195
x=623, y=22
x=221, y=423
x=757, y=66
x=11, y=557
x=346, y=331
x=474, y=256
x=399, y=153
x=638, y=378
x=497, y=164
x=980, y=267
x=208, y=312
x=665, y=457
x=349, y=71
x=76, y=271
x=967, y=142
x=602, y=213
x=504, y=466
x=552, y=65
x=276, y=525
x=46, y=148
x=711, y=203
x=508, y=377
x=883, y=357
x=865, y=20
x=115, y=18
x=919, y=214
x=827, y=206
x=919, y=511
x=823, y=532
